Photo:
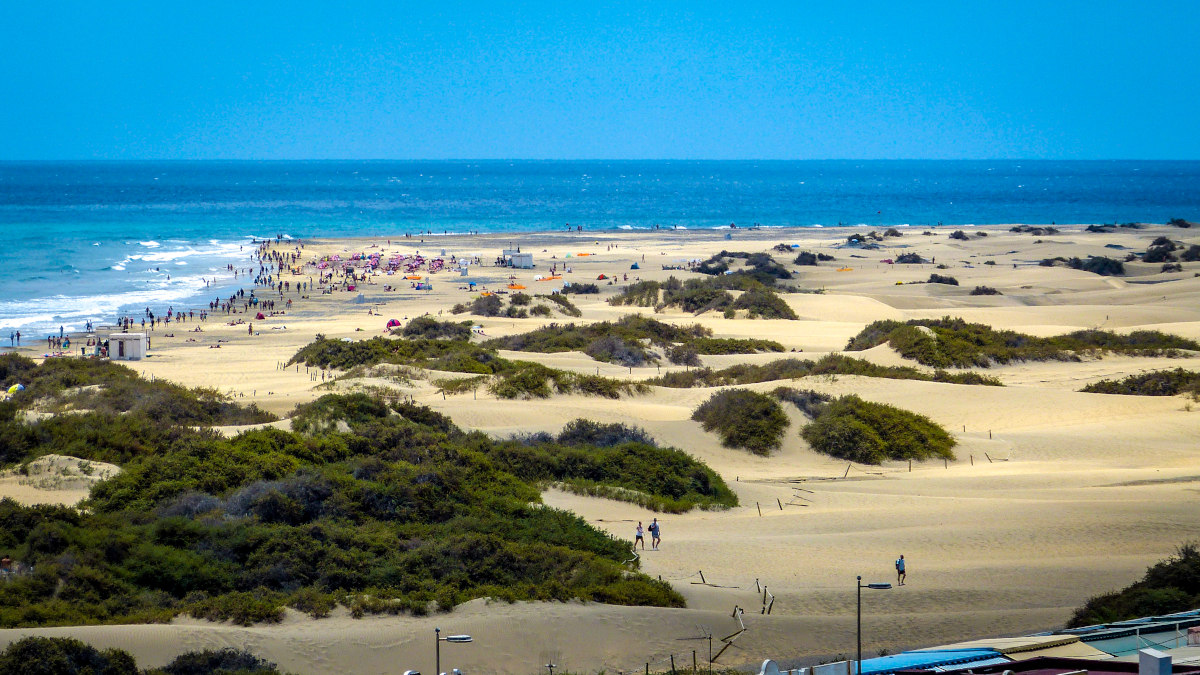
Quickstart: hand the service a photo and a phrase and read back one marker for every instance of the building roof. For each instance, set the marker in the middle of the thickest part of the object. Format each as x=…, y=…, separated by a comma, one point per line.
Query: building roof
x=1031, y=646
x=930, y=660
x=1047, y=665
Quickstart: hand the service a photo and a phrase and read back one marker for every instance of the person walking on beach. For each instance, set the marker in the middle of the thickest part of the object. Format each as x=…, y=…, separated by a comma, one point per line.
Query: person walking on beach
x=901, y=575
x=639, y=536
x=655, y=530
x=18, y=338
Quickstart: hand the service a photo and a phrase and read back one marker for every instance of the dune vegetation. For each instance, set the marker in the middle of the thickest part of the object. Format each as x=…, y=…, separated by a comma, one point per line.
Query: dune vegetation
x=37, y=655
x=954, y=343
x=743, y=419
x=1155, y=383
x=1172, y=585
x=757, y=299
x=378, y=507
x=869, y=433
x=792, y=368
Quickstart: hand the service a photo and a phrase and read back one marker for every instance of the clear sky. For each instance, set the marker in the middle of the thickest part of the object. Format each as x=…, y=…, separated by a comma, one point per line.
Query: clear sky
x=723, y=80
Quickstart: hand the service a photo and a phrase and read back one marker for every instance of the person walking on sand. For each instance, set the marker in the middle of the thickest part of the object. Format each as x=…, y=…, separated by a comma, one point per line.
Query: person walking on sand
x=639, y=536
x=901, y=575
x=655, y=530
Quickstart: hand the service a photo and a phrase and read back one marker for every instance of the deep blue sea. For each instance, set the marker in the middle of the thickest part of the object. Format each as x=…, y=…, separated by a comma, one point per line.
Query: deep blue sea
x=90, y=240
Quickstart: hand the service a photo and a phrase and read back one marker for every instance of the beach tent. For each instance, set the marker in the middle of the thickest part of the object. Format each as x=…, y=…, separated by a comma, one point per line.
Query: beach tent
x=392, y=323
x=634, y=266
x=15, y=388
x=259, y=316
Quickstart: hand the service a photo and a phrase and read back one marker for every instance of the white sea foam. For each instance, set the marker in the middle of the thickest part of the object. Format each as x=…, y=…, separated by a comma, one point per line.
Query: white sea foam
x=150, y=244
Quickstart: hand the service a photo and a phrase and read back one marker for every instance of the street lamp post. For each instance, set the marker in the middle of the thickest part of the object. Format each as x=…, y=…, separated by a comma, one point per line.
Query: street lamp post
x=874, y=587
x=437, y=646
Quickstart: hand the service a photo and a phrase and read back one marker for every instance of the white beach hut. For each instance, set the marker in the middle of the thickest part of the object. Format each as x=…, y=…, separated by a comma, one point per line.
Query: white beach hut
x=128, y=346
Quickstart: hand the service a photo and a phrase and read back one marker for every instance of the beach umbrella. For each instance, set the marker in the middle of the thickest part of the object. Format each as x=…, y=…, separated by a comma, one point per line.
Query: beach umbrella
x=15, y=388
x=393, y=323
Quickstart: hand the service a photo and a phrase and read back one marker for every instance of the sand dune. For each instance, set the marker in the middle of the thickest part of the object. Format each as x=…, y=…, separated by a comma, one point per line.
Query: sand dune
x=1080, y=493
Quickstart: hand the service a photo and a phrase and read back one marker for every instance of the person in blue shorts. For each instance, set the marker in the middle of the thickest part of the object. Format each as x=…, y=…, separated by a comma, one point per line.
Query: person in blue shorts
x=901, y=575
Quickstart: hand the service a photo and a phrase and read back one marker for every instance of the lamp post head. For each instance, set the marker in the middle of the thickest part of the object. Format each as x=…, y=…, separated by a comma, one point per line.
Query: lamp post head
x=879, y=587
x=458, y=638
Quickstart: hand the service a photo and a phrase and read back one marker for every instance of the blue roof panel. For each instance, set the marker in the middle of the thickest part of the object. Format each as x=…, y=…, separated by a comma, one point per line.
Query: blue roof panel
x=928, y=659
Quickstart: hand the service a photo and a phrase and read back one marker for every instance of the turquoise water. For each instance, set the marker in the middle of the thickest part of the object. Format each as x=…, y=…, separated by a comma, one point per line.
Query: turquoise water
x=92, y=240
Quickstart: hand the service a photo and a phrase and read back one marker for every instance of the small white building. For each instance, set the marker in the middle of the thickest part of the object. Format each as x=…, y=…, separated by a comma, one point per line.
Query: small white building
x=520, y=260
x=128, y=346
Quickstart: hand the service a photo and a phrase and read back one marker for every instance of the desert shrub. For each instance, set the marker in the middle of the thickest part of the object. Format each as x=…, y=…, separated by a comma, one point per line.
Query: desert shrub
x=954, y=343
x=612, y=349
x=1170, y=586
x=564, y=304
x=871, y=433
x=807, y=401
x=892, y=232
x=516, y=312
x=959, y=234
x=429, y=328
x=683, y=355
x=227, y=661
x=460, y=385
x=528, y=380
x=764, y=304
x=1156, y=383
x=1101, y=265
x=909, y=259
x=989, y=262
x=580, y=289
x=639, y=294
x=1179, y=222
x=985, y=290
x=520, y=299
x=598, y=339
x=712, y=346
x=451, y=355
x=939, y=279
x=540, y=310
x=825, y=257
x=1038, y=231
x=743, y=419
x=1172, y=267
x=760, y=267
x=792, y=368
x=36, y=655
x=587, y=432
x=806, y=258
x=1159, y=254
x=486, y=305
x=1192, y=254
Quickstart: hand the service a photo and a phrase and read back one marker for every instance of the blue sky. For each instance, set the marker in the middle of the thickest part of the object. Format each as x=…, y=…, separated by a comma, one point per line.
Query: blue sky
x=727, y=80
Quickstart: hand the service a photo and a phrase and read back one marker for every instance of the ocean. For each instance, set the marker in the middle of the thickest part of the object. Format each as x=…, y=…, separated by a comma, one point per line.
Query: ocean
x=96, y=240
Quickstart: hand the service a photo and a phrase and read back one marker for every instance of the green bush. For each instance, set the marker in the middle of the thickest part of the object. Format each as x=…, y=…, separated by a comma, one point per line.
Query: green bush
x=761, y=303
x=871, y=433
x=564, y=304
x=939, y=279
x=955, y=343
x=743, y=419
x=1170, y=586
x=985, y=290
x=575, y=288
x=1156, y=383
x=57, y=656
x=429, y=328
x=792, y=368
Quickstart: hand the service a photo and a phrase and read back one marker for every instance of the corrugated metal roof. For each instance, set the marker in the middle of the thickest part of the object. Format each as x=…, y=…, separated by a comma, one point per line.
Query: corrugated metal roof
x=926, y=659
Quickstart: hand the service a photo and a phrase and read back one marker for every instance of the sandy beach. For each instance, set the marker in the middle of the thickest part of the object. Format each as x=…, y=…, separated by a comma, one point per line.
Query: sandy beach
x=1056, y=495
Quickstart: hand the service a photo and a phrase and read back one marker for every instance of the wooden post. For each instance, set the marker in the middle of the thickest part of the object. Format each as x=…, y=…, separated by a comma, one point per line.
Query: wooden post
x=989, y=434
x=647, y=669
x=972, y=460
x=759, y=509
x=945, y=463
x=779, y=503
x=910, y=466
x=672, y=664
x=693, y=662
x=702, y=577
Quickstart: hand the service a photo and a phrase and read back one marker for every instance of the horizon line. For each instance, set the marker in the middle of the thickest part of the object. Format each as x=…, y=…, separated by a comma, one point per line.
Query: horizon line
x=593, y=159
